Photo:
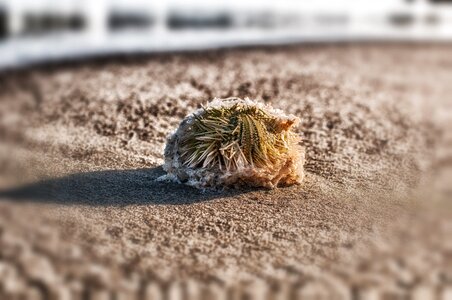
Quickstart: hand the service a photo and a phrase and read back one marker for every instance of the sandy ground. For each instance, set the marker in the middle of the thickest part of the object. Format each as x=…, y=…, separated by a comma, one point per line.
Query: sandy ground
x=82, y=217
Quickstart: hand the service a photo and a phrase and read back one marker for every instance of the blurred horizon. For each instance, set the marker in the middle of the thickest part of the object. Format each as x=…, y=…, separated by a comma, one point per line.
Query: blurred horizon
x=46, y=30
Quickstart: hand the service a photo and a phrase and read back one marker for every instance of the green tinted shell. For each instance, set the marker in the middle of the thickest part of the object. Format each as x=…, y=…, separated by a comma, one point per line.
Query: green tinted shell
x=230, y=141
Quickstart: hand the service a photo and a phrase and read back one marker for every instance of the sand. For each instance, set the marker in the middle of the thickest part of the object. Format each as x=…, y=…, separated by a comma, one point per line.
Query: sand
x=82, y=216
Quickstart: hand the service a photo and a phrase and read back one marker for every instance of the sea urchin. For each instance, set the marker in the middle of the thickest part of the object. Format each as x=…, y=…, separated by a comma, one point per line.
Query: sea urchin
x=233, y=142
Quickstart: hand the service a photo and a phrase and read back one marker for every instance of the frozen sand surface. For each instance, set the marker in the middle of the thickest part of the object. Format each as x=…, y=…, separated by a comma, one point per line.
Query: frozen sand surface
x=373, y=214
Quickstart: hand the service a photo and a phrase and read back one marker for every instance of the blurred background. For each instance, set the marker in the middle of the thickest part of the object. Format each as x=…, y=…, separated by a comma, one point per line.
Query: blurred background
x=84, y=216
x=46, y=30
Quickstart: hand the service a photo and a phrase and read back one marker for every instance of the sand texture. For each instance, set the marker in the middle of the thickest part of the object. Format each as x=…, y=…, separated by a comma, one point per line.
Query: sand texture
x=82, y=216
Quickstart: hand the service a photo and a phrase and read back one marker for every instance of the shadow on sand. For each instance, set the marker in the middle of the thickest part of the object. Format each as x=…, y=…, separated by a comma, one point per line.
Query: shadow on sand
x=115, y=187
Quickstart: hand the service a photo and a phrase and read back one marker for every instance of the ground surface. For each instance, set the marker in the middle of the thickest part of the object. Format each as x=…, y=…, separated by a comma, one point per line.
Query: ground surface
x=81, y=145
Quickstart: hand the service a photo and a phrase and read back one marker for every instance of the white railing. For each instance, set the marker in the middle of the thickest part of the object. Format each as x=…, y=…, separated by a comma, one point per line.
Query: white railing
x=172, y=26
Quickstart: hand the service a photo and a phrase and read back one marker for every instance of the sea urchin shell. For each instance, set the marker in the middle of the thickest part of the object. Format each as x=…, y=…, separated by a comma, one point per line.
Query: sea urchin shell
x=233, y=142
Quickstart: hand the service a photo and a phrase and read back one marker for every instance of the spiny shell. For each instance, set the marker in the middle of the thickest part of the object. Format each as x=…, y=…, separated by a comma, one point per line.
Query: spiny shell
x=232, y=142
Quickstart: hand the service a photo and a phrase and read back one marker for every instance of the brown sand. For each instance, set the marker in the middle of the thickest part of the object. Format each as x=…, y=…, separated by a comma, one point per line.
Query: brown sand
x=81, y=214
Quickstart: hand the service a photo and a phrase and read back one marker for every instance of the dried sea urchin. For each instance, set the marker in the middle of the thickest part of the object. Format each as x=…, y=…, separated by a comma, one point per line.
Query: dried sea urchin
x=234, y=142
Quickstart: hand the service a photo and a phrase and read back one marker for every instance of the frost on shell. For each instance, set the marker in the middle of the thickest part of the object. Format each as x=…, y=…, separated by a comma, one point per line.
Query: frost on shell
x=234, y=142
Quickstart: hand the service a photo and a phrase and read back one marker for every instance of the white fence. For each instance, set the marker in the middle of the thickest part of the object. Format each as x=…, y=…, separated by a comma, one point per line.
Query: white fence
x=33, y=31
